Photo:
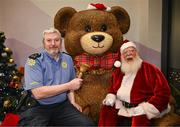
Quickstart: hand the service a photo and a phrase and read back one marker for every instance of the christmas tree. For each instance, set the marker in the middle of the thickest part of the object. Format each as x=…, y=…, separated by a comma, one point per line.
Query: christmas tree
x=10, y=80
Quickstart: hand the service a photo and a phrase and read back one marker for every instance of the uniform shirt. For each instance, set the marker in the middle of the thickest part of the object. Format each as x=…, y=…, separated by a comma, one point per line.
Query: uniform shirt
x=46, y=71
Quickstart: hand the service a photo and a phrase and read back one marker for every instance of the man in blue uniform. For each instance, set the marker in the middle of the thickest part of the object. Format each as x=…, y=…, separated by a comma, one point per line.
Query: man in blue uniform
x=50, y=79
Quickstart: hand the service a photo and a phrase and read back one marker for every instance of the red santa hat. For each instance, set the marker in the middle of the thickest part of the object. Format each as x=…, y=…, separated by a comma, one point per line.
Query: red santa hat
x=126, y=45
x=98, y=6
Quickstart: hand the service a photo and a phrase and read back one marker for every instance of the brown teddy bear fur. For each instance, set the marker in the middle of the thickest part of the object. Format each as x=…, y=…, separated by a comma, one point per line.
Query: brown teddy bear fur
x=77, y=28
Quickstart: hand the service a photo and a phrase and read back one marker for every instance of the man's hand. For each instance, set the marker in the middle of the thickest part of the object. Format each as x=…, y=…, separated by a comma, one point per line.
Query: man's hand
x=75, y=84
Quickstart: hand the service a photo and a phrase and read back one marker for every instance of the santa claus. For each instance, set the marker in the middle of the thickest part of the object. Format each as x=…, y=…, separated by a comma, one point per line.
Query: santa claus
x=139, y=92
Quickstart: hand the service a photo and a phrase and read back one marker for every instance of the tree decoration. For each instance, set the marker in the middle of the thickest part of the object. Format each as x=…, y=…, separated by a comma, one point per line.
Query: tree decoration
x=10, y=80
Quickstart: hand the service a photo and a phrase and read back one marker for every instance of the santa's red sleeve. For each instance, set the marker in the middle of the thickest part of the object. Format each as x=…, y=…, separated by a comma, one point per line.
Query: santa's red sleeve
x=158, y=104
x=161, y=91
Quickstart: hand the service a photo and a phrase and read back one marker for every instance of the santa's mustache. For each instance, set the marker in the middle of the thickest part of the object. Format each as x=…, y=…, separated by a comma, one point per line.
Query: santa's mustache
x=132, y=65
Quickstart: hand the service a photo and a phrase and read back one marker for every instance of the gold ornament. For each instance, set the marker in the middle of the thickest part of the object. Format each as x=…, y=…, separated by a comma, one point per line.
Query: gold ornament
x=7, y=50
x=11, y=60
x=17, y=86
x=7, y=104
x=15, y=78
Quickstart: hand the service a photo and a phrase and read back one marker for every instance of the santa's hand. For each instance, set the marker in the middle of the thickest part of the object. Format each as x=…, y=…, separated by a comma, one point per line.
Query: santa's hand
x=138, y=111
x=127, y=112
x=109, y=100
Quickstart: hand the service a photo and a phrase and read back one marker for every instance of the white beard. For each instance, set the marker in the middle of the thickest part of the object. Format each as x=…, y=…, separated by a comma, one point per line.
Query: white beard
x=132, y=66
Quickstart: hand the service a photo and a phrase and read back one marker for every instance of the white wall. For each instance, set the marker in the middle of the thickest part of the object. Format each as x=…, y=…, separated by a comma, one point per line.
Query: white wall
x=24, y=22
x=155, y=24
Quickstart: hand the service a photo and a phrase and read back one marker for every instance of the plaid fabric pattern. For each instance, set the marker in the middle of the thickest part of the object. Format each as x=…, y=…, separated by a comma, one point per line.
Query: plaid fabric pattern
x=106, y=61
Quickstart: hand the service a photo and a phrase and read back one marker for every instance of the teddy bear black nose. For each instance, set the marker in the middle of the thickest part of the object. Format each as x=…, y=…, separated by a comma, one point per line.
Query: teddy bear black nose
x=97, y=38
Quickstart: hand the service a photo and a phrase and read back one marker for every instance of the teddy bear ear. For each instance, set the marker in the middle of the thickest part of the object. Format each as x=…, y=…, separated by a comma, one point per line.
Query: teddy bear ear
x=62, y=18
x=122, y=17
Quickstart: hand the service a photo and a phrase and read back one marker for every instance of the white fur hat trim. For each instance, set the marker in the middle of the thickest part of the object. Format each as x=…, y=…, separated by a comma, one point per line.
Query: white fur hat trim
x=90, y=7
x=126, y=45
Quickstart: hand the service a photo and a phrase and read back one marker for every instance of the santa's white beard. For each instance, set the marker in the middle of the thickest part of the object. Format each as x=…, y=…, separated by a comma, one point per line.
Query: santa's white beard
x=131, y=66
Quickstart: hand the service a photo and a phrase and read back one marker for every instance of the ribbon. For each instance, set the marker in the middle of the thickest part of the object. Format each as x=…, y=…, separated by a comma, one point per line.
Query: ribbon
x=96, y=62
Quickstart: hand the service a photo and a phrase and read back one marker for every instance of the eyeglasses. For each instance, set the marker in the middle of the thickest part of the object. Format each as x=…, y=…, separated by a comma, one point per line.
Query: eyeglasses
x=129, y=50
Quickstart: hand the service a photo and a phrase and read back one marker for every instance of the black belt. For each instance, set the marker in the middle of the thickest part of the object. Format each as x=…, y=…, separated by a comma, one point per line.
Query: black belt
x=128, y=105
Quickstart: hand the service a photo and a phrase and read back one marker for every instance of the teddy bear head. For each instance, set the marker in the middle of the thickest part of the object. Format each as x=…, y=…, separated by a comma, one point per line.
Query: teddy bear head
x=93, y=31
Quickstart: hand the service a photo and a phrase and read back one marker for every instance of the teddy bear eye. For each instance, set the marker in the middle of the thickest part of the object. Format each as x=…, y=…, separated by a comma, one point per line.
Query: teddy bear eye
x=87, y=28
x=103, y=27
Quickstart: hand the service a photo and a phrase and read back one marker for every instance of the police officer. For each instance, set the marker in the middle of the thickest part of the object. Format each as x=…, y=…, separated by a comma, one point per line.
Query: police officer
x=50, y=78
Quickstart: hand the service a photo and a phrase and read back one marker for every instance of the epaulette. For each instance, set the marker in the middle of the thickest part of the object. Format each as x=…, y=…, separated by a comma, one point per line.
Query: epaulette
x=34, y=56
x=66, y=53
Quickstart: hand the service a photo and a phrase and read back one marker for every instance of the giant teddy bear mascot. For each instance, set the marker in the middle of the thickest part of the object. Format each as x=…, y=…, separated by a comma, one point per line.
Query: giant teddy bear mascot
x=93, y=37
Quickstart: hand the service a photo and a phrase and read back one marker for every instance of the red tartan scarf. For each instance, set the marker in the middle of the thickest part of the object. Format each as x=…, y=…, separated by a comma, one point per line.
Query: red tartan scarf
x=96, y=62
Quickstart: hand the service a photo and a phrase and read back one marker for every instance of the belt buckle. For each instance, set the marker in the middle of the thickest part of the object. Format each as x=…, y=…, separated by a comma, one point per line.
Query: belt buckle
x=126, y=104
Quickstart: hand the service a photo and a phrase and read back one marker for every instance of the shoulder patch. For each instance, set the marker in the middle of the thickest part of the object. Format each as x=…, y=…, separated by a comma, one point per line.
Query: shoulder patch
x=34, y=56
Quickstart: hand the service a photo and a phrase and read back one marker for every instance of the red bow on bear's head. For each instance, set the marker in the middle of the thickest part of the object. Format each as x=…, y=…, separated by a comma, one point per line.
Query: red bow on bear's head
x=98, y=6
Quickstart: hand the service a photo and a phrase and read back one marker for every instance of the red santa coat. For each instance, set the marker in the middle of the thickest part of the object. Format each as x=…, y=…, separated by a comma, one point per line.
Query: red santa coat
x=149, y=85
